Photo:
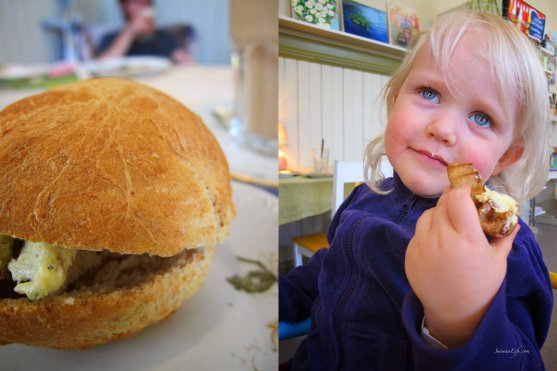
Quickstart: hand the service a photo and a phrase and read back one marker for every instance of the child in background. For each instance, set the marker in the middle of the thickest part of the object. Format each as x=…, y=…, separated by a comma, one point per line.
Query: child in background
x=410, y=280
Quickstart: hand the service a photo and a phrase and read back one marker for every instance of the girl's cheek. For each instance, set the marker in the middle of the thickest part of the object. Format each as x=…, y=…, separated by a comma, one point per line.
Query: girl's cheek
x=479, y=163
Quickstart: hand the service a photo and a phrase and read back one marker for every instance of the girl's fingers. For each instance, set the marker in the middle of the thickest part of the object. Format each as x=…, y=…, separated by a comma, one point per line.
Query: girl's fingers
x=461, y=211
x=425, y=221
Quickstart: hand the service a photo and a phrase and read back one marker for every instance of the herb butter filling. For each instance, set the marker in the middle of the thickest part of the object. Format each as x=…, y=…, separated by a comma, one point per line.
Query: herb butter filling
x=38, y=269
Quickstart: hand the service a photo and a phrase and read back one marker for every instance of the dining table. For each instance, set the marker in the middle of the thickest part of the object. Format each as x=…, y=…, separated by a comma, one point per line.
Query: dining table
x=226, y=325
x=302, y=196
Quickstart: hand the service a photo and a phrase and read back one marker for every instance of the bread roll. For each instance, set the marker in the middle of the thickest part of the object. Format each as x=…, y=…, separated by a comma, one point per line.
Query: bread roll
x=111, y=164
x=497, y=212
x=121, y=172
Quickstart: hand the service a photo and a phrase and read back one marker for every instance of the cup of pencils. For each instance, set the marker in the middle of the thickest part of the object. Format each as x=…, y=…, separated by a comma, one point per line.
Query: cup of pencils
x=321, y=160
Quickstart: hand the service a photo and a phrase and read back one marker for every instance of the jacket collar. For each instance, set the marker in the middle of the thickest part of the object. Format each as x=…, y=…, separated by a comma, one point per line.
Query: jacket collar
x=402, y=194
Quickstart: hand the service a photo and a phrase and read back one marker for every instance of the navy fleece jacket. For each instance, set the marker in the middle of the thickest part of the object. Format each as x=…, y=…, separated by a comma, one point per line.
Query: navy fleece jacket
x=366, y=317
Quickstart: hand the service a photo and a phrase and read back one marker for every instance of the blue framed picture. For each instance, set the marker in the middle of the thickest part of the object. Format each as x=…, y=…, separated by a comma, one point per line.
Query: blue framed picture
x=365, y=21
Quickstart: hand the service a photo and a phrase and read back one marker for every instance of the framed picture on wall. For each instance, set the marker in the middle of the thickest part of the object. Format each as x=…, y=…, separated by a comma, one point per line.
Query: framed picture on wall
x=366, y=21
x=322, y=13
x=526, y=18
x=403, y=24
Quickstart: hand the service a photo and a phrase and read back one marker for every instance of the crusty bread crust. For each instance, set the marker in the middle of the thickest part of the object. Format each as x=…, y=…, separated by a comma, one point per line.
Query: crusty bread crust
x=495, y=224
x=111, y=164
x=87, y=317
x=465, y=174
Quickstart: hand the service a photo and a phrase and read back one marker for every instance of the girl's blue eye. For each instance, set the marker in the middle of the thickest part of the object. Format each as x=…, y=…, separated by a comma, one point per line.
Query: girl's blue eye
x=481, y=119
x=430, y=94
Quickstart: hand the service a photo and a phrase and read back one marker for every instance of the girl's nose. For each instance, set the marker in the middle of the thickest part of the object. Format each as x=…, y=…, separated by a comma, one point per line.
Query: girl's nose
x=443, y=129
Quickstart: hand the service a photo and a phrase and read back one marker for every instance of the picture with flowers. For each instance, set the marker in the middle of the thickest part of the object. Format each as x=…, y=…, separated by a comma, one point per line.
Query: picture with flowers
x=403, y=24
x=323, y=13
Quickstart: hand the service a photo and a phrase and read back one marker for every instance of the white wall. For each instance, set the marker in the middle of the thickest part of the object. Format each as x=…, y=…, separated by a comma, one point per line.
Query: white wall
x=22, y=39
x=211, y=20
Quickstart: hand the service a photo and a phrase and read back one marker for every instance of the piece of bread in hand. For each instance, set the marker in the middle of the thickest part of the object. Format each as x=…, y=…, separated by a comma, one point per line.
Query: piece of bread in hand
x=497, y=211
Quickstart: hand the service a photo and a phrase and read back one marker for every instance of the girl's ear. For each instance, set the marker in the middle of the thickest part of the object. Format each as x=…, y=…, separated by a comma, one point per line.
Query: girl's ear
x=512, y=155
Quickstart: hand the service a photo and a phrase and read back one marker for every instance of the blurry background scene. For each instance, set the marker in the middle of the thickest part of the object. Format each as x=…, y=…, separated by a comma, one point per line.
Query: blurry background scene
x=42, y=31
x=220, y=59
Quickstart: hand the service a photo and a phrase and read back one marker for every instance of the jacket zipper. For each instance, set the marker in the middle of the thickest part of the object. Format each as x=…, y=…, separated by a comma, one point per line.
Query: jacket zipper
x=348, y=292
x=337, y=317
x=406, y=207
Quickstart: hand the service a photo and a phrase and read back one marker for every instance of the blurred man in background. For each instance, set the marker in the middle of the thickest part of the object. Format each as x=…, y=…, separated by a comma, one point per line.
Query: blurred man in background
x=140, y=37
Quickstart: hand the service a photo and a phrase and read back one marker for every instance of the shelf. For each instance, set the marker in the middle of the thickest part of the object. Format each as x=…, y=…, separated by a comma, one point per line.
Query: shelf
x=304, y=41
x=549, y=217
x=552, y=175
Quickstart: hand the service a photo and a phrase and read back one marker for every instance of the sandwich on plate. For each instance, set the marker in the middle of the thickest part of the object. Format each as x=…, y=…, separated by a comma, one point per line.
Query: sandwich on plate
x=113, y=196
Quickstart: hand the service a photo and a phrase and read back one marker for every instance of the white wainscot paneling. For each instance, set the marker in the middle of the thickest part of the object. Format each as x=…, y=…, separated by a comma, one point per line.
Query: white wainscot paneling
x=342, y=106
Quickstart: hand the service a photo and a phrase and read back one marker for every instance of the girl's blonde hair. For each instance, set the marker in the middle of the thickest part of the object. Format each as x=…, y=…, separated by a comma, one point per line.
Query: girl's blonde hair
x=516, y=71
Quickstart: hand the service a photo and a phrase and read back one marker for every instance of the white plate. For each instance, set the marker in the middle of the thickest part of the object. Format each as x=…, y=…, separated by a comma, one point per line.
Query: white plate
x=283, y=175
x=220, y=328
x=286, y=176
x=127, y=66
x=315, y=175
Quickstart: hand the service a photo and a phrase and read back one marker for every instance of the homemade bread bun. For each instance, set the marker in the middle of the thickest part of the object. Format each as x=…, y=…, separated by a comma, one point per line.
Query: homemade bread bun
x=132, y=179
x=111, y=164
x=465, y=174
x=137, y=294
x=497, y=212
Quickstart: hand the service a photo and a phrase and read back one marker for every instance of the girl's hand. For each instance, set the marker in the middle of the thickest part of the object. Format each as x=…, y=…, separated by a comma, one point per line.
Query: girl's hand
x=453, y=269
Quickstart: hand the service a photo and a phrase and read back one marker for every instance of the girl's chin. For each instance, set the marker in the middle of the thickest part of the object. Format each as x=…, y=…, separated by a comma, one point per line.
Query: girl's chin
x=425, y=186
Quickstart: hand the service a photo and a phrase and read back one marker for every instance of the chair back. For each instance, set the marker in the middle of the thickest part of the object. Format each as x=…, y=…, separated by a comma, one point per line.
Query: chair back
x=553, y=277
x=352, y=172
x=345, y=172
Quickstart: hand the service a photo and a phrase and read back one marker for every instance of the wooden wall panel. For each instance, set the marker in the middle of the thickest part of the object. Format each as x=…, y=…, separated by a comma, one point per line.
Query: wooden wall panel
x=342, y=106
x=375, y=112
x=335, y=123
x=304, y=112
x=288, y=106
